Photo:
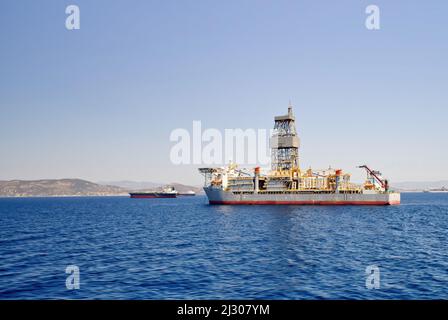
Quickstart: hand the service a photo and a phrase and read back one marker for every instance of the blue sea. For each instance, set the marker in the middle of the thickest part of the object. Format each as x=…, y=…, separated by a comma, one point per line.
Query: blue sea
x=186, y=249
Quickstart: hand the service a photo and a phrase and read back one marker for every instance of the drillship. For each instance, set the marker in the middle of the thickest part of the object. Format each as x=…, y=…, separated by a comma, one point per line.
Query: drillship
x=167, y=192
x=286, y=183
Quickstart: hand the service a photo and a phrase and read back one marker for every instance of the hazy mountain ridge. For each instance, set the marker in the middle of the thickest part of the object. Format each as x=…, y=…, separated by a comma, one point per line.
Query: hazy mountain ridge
x=420, y=185
x=133, y=185
x=56, y=187
x=70, y=187
x=79, y=187
x=182, y=188
x=152, y=186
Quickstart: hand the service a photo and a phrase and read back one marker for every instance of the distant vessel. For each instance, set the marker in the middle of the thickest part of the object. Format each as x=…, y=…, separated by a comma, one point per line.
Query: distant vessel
x=167, y=192
x=187, y=194
x=287, y=183
x=437, y=190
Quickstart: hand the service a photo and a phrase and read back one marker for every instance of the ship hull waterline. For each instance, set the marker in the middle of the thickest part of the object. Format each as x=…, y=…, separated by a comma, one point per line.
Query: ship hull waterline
x=218, y=196
x=151, y=196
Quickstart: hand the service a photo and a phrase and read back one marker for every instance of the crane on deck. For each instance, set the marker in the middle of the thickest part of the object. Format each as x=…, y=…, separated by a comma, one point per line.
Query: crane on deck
x=376, y=175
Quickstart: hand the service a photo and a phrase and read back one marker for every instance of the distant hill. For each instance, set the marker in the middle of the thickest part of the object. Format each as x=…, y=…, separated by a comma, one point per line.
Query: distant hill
x=78, y=187
x=56, y=187
x=420, y=185
x=132, y=185
x=147, y=186
x=182, y=188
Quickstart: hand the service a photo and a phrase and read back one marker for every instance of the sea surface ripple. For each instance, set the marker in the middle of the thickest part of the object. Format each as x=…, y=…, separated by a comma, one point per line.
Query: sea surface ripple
x=186, y=249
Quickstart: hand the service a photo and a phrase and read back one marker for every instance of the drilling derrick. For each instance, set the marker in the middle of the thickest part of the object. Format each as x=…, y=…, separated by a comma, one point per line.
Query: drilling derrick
x=285, y=144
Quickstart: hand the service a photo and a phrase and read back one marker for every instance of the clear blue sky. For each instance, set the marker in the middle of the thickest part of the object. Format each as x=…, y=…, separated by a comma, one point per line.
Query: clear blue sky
x=99, y=103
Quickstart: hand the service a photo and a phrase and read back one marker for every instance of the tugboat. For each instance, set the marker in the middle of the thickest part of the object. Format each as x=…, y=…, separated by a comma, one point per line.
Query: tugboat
x=167, y=192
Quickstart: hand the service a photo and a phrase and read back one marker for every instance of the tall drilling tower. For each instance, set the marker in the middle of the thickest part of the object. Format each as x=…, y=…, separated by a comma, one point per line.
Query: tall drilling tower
x=285, y=143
